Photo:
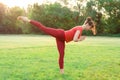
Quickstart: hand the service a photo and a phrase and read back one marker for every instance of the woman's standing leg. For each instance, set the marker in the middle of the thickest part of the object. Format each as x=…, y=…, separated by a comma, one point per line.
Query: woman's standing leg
x=61, y=49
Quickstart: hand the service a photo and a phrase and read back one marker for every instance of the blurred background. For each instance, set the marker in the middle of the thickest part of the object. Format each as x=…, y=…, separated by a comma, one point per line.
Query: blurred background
x=63, y=14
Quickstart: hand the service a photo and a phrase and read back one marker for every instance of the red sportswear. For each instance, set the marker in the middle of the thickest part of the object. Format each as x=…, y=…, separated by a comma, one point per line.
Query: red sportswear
x=69, y=34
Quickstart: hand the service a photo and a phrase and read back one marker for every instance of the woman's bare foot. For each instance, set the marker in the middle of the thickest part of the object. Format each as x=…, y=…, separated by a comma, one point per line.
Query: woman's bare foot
x=62, y=71
x=23, y=18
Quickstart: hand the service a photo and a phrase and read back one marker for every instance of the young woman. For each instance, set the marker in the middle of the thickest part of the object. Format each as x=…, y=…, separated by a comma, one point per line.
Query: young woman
x=74, y=34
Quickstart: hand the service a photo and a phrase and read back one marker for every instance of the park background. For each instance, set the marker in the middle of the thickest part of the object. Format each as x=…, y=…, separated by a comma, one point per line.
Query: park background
x=26, y=53
x=62, y=14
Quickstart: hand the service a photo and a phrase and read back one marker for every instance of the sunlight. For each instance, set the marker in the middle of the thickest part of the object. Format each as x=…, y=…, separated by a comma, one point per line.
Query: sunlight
x=24, y=3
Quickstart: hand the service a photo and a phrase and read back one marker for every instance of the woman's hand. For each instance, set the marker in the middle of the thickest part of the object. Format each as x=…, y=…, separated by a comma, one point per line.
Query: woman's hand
x=82, y=38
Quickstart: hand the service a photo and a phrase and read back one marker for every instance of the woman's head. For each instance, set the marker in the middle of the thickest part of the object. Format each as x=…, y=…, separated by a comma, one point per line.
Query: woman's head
x=90, y=25
x=88, y=19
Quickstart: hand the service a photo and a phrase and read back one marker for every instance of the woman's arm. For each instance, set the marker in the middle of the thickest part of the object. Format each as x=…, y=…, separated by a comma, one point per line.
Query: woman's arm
x=76, y=36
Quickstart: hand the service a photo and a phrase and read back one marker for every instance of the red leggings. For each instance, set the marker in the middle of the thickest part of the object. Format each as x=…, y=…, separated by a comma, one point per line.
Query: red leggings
x=59, y=34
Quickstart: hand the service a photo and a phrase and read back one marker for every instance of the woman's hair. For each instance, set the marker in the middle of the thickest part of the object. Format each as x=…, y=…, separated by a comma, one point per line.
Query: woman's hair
x=88, y=19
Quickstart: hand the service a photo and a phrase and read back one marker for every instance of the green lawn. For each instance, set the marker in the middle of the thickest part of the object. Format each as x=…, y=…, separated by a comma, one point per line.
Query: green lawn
x=34, y=57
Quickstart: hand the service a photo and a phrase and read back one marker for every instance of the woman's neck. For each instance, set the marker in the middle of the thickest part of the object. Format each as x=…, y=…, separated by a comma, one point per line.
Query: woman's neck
x=84, y=27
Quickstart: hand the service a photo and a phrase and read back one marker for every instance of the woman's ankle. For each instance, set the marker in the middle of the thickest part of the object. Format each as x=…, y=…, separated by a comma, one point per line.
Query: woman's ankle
x=61, y=71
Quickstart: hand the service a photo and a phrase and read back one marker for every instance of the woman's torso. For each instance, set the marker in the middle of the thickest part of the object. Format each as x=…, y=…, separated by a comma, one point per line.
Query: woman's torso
x=69, y=34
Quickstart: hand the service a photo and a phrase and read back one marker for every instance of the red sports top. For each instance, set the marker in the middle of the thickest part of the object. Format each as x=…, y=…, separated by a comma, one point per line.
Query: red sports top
x=69, y=34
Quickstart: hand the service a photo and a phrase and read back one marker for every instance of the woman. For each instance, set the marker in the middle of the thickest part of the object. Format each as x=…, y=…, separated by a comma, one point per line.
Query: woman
x=74, y=34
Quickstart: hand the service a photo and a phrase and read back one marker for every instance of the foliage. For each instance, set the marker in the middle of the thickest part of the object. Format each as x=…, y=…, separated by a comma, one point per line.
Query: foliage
x=105, y=13
x=53, y=15
x=111, y=19
x=9, y=20
x=2, y=12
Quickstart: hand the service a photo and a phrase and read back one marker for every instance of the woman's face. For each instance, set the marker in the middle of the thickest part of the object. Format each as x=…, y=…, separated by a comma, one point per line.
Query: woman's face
x=88, y=27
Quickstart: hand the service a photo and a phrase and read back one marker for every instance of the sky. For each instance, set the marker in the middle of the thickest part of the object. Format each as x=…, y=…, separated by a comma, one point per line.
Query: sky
x=23, y=3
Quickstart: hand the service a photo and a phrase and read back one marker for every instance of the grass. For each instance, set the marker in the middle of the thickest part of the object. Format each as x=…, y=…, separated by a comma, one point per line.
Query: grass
x=34, y=57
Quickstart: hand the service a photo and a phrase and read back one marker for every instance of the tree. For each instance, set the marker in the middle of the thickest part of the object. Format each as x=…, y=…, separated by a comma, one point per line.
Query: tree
x=52, y=15
x=10, y=22
x=112, y=10
x=2, y=12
